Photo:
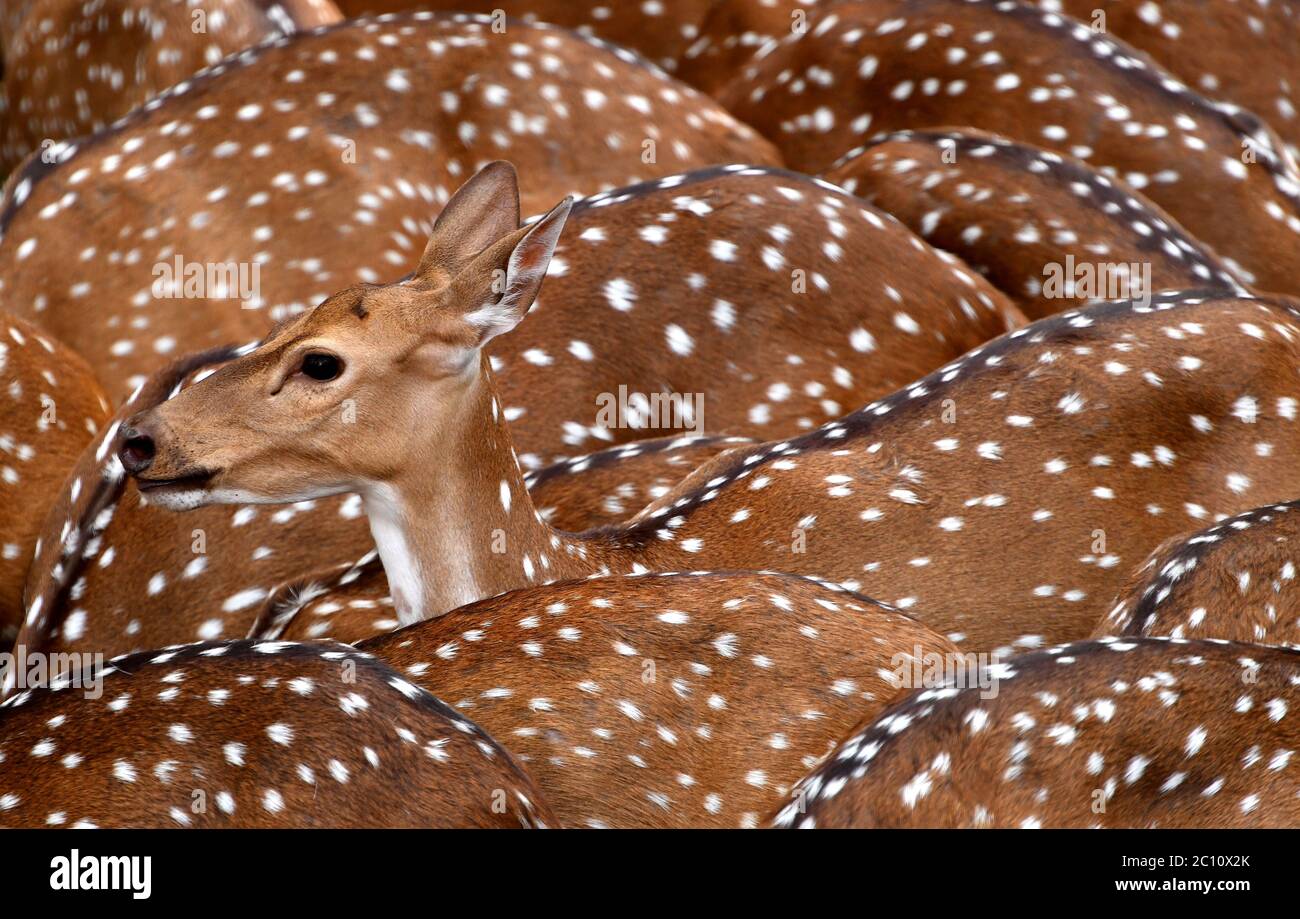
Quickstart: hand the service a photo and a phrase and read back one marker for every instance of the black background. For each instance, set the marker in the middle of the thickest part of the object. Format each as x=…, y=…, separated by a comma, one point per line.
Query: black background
x=430, y=872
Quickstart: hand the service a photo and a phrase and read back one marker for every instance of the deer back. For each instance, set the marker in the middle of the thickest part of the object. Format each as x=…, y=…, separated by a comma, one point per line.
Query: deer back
x=658, y=30
x=252, y=735
x=1231, y=581
x=1006, y=67
x=248, y=193
x=608, y=486
x=1136, y=732
x=668, y=700
x=73, y=68
x=732, y=34
x=1045, y=228
x=733, y=300
x=1243, y=53
x=1075, y=446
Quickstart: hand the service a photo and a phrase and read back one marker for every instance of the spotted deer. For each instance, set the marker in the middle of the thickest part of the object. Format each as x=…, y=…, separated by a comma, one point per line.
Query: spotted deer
x=691, y=699
x=1230, y=581
x=1036, y=77
x=914, y=499
x=252, y=735
x=116, y=574
x=775, y=299
x=73, y=67
x=1141, y=732
x=50, y=408
x=244, y=195
x=798, y=300
x=732, y=31
x=880, y=308
x=1045, y=228
x=658, y=29
x=1241, y=52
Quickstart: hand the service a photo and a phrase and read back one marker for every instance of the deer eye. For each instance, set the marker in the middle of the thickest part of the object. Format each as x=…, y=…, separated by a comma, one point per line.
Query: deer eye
x=321, y=367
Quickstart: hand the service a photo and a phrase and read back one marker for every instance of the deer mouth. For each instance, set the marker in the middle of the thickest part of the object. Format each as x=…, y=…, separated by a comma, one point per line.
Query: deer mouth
x=189, y=482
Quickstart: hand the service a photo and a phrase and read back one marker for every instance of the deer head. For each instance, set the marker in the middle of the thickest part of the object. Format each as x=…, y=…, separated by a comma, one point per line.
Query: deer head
x=325, y=404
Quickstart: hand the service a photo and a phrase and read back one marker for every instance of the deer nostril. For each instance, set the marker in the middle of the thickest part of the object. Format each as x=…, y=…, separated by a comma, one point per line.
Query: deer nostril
x=136, y=452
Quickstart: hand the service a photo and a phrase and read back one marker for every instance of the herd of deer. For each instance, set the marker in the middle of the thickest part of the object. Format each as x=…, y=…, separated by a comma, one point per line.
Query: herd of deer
x=946, y=482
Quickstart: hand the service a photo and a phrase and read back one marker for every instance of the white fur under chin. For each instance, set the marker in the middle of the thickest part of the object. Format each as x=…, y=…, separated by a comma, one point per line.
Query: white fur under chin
x=388, y=527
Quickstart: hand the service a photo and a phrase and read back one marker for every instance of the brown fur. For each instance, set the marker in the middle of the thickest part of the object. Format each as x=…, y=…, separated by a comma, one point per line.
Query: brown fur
x=731, y=34
x=351, y=602
x=1190, y=163
x=660, y=37
x=1079, y=551
x=1233, y=581
x=669, y=700
x=608, y=486
x=1131, y=733
x=1031, y=209
x=51, y=406
x=1242, y=52
x=340, y=738
x=48, y=95
x=1076, y=444
x=115, y=574
x=249, y=551
x=776, y=363
x=810, y=335
x=349, y=195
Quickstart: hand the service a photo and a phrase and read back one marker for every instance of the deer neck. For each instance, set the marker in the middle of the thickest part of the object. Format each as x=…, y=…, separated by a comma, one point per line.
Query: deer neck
x=456, y=524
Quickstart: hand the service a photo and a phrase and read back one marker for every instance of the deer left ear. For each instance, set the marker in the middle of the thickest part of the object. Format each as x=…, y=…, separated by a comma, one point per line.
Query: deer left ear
x=503, y=282
x=482, y=211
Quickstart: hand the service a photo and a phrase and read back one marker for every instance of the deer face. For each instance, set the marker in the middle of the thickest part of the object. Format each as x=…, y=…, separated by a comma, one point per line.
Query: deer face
x=331, y=402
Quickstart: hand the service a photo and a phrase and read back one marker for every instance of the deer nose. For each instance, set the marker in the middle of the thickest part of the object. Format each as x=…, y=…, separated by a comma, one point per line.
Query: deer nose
x=137, y=450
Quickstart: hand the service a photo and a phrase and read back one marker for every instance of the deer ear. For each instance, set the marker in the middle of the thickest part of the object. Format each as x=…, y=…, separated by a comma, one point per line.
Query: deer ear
x=503, y=282
x=481, y=212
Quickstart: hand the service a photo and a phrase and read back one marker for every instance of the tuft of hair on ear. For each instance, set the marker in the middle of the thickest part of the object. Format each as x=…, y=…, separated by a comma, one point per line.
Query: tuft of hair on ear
x=503, y=282
x=481, y=212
